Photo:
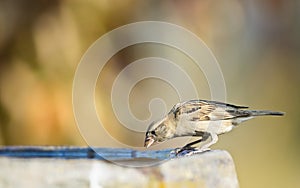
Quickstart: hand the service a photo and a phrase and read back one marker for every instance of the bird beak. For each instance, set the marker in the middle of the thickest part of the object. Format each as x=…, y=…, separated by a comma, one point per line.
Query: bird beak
x=148, y=142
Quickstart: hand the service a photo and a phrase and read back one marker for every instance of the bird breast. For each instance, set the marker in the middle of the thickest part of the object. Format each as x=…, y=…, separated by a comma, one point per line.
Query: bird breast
x=189, y=128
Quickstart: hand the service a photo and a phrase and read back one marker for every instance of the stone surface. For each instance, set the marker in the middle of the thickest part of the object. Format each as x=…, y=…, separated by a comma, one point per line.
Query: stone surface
x=210, y=169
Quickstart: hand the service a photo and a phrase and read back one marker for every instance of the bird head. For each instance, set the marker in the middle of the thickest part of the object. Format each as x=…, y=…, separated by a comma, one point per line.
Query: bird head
x=158, y=131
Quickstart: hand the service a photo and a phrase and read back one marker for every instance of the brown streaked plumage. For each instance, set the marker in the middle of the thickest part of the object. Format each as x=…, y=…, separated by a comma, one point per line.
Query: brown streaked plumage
x=201, y=118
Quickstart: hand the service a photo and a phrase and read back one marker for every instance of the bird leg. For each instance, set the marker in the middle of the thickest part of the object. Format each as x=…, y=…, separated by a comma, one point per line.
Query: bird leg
x=189, y=148
x=204, y=137
x=214, y=139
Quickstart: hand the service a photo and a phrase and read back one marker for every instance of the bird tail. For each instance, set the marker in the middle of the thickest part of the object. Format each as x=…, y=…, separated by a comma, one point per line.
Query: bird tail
x=265, y=113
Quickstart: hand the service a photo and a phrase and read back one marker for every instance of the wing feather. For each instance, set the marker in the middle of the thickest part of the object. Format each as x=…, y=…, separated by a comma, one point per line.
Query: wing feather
x=202, y=110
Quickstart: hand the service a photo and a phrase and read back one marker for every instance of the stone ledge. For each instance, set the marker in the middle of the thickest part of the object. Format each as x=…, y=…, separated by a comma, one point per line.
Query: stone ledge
x=210, y=169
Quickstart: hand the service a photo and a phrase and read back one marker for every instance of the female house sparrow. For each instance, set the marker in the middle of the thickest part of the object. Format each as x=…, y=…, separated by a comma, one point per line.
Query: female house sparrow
x=200, y=118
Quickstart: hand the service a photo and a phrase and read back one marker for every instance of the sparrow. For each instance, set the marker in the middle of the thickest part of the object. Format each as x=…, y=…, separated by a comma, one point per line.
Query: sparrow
x=199, y=118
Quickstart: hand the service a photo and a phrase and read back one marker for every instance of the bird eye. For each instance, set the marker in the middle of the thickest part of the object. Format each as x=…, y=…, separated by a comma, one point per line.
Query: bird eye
x=153, y=132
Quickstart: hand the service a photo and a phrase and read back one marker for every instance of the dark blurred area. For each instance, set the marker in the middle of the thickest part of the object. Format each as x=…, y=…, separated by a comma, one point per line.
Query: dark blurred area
x=257, y=44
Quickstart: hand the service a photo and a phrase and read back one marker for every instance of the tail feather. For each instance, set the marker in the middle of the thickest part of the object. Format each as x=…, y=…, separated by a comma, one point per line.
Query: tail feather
x=265, y=113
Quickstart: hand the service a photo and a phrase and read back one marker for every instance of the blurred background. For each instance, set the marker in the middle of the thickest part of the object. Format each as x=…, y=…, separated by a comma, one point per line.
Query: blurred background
x=256, y=43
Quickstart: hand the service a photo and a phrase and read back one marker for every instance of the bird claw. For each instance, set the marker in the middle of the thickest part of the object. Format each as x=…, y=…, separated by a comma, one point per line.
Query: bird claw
x=184, y=151
x=181, y=152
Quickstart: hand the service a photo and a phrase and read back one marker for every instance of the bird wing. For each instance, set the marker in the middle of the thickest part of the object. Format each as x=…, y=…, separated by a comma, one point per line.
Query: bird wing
x=202, y=110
